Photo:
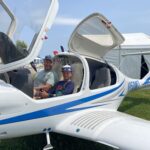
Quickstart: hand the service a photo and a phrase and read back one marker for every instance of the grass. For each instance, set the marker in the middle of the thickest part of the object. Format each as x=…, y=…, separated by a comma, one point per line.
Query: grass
x=136, y=103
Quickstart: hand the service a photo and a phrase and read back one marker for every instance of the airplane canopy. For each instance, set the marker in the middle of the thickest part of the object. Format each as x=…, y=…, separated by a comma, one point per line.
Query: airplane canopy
x=23, y=30
x=94, y=37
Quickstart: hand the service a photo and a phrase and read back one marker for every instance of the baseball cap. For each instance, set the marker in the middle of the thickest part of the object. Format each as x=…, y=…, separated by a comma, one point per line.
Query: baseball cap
x=48, y=57
x=67, y=68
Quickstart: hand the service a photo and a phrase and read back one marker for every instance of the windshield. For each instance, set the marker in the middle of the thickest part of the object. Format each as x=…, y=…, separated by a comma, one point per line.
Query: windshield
x=16, y=42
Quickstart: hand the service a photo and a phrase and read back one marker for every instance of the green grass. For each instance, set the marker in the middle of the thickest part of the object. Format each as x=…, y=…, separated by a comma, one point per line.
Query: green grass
x=136, y=103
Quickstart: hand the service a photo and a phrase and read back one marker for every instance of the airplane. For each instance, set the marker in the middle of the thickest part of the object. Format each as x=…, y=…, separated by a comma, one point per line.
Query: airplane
x=91, y=111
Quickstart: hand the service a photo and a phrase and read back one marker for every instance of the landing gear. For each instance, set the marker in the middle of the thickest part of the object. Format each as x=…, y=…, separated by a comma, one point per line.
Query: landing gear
x=48, y=146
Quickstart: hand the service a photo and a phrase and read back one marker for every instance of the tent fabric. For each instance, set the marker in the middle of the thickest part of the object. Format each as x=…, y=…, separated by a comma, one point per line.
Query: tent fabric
x=147, y=60
x=131, y=65
x=144, y=67
x=136, y=40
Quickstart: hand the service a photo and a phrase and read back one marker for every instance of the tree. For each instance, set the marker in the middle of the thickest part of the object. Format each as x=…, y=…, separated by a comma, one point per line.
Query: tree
x=21, y=44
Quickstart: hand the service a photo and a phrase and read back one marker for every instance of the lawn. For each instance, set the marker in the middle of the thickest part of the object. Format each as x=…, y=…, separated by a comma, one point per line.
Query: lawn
x=136, y=103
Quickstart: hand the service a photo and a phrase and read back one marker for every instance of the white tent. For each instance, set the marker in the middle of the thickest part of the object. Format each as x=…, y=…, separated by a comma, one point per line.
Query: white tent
x=132, y=65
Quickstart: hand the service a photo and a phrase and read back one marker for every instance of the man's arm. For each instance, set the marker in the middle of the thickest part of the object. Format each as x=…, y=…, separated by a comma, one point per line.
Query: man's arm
x=50, y=93
x=44, y=87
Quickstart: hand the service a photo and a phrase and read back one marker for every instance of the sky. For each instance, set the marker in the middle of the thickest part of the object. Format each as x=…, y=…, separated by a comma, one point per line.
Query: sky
x=128, y=16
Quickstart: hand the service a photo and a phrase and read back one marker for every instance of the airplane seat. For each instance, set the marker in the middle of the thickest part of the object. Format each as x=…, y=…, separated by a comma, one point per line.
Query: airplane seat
x=57, y=69
x=8, y=50
x=102, y=78
x=22, y=80
x=5, y=77
x=77, y=76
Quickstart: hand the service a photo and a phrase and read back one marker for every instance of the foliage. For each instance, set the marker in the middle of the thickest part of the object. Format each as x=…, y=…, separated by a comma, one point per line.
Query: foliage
x=21, y=45
x=136, y=103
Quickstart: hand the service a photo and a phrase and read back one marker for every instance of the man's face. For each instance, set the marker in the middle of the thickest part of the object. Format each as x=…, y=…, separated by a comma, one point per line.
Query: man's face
x=67, y=75
x=48, y=64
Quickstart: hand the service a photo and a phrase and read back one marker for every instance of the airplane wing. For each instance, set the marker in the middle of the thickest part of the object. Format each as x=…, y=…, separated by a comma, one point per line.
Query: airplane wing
x=111, y=128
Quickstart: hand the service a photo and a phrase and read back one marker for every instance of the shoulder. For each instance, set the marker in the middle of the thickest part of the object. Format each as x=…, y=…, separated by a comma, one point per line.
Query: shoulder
x=40, y=72
x=70, y=83
x=50, y=73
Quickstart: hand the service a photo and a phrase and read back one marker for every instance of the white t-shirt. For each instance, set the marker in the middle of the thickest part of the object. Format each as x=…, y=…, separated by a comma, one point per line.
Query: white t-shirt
x=44, y=77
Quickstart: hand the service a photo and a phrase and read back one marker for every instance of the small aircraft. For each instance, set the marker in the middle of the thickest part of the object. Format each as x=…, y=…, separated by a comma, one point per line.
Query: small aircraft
x=91, y=111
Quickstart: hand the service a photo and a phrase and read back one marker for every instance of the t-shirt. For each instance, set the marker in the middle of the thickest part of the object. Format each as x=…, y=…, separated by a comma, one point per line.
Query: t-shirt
x=44, y=77
x=62, y=88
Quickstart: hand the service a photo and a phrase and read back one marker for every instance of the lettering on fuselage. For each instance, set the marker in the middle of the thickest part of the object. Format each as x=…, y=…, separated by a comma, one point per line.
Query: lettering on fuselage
x=147, y=81
x=133, y=85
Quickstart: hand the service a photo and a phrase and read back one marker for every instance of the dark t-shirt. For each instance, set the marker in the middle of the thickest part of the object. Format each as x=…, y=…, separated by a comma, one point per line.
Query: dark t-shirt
x=62, y=88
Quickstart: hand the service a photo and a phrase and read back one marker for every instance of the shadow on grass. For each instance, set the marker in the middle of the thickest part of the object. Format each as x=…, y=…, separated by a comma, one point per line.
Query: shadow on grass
x=34, y=142
x=59, y=142
x=64, y=142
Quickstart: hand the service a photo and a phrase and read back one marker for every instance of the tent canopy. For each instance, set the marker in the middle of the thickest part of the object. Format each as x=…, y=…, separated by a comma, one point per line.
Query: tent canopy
x=131, y=65
x=136, y=40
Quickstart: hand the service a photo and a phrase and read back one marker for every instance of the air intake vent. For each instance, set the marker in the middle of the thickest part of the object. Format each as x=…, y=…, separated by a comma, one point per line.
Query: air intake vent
x=93, y=120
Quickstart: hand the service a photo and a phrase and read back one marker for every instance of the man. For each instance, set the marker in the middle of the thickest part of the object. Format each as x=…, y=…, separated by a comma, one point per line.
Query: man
x=63, y=87
x=46, y=78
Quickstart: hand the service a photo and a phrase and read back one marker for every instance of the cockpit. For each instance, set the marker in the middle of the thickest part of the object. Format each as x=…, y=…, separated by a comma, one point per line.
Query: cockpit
x=23, y=25
x=77, y=69
x=22, y=32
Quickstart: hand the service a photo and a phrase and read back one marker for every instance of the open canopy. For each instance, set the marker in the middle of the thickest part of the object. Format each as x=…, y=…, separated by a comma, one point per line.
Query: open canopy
x=23, y=25
x=94, y=37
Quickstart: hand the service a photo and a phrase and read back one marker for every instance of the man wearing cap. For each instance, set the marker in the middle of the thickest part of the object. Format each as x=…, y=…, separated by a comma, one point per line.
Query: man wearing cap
x=63, y=87
x=46, y=78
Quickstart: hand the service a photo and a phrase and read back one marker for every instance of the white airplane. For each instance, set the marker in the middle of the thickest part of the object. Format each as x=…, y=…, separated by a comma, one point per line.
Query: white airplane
x=91, y=111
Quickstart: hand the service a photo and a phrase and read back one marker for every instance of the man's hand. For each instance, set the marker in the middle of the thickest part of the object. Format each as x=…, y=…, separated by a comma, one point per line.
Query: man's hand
x=43, y=94
x=44, y=87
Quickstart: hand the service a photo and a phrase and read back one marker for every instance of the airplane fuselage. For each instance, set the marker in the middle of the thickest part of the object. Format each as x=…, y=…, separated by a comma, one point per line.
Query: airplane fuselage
x=20, y=112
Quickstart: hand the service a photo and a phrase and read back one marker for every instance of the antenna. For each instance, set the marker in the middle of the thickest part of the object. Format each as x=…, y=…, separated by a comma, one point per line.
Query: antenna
x=62, y=48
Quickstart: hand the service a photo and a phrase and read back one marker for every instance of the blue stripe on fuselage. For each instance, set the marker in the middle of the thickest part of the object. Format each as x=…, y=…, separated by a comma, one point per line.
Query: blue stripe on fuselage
x=59, y=109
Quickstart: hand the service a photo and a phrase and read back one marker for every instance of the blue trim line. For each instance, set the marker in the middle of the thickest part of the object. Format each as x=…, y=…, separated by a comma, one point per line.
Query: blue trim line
x=59, y=109
x=122, y=94
x=147, y=81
